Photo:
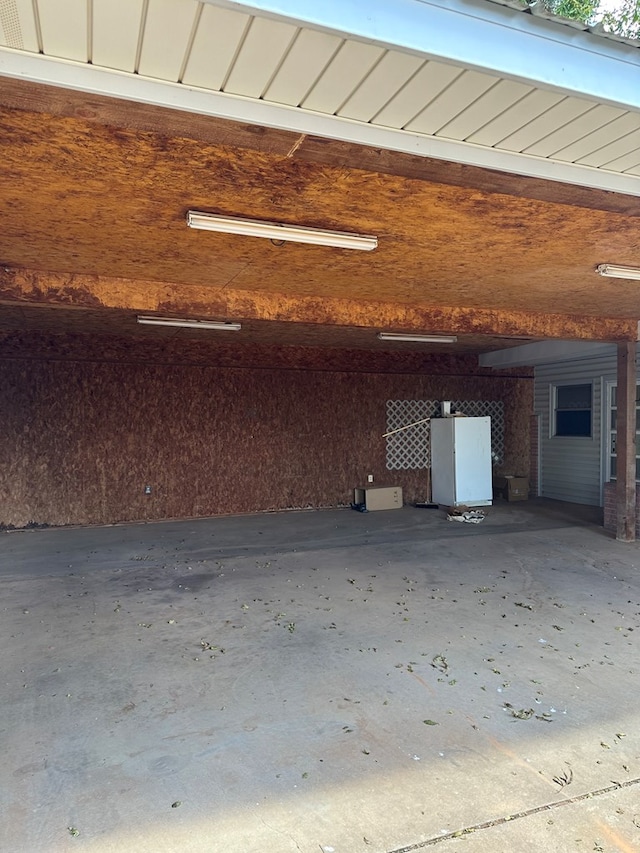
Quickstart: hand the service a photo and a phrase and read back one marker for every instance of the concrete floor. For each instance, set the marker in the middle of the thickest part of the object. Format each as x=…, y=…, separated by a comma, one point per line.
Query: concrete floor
x=329, y=681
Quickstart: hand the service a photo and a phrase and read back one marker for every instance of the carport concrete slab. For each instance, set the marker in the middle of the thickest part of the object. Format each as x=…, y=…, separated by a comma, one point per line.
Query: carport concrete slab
x=322, y=681
x=608, y=822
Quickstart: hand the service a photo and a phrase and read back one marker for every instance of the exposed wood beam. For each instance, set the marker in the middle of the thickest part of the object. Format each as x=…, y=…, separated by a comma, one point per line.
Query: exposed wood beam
x=147, y=90
x=331, y=152
x=27, y=96
x=626, y=443
x=33, y=287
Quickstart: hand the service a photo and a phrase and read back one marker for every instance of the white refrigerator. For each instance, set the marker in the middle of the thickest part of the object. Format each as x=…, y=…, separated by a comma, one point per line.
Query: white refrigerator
x=461, y=473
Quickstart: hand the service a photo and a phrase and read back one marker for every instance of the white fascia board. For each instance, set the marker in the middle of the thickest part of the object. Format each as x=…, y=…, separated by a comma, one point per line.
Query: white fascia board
x=544, y=352
x=480, y=35
x=133, y=87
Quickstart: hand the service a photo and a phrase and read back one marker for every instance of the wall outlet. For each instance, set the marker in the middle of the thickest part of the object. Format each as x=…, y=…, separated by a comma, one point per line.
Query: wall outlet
x=369, y=478
x=147, y=490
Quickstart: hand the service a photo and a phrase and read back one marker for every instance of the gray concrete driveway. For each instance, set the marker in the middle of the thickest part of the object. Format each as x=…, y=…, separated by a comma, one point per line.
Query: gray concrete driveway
x=322, y=681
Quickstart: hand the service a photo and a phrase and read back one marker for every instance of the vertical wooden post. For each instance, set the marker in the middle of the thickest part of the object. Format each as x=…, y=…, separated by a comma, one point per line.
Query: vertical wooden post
x=626, y=443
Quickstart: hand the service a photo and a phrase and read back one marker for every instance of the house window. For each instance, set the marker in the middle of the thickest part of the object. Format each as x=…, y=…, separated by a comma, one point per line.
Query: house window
x=573, y=410
x=613, y=431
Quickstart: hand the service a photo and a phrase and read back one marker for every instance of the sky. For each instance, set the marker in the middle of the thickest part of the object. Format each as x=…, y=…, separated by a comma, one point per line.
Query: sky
x=607, y=6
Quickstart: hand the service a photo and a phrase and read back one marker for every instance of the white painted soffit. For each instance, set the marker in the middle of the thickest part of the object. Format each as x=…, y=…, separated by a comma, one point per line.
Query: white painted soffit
x=466, y=80
x=478, y=35
x=544, y=352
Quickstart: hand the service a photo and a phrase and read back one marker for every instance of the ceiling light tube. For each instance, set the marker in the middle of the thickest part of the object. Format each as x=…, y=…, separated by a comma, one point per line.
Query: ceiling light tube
x=280, y=231
x=423, y=339
x=612, y=271
x=190, y=324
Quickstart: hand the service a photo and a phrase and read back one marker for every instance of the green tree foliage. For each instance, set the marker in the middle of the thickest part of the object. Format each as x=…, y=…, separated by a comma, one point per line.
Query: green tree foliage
x=575, y=10
x=625, y=20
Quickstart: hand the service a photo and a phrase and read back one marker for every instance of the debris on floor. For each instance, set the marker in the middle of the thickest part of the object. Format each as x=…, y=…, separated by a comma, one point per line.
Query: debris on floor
x=471, y=516
x=306, y=659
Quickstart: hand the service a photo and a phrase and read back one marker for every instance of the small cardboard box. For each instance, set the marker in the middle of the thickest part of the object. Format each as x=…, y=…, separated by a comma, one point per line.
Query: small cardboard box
x=379, y=497
x=511, y=488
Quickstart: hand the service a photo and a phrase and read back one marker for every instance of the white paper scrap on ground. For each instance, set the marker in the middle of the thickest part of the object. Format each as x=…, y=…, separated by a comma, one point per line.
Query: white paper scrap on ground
x=471, y=516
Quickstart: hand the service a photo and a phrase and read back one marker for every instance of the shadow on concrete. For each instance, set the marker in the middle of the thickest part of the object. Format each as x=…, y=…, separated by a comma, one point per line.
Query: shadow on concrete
x=315, y=680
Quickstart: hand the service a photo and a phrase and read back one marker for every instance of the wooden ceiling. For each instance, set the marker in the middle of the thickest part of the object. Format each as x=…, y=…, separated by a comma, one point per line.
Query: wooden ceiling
x=115, y=323
x=385, y=76
x=86, y=191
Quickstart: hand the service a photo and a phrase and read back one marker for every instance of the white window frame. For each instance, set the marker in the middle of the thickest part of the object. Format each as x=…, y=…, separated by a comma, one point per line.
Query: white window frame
x=608, y=431
x=553, y=404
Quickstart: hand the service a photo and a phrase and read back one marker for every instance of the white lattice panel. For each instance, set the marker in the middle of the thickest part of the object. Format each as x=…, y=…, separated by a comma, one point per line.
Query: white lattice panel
x=411, y=448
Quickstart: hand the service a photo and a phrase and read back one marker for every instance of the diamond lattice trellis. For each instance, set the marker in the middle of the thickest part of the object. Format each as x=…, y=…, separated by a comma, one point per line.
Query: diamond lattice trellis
x=411, y=448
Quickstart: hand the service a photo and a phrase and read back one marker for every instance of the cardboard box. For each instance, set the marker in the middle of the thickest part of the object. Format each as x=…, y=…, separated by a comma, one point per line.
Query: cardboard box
x=511, y=488
x=379, y=497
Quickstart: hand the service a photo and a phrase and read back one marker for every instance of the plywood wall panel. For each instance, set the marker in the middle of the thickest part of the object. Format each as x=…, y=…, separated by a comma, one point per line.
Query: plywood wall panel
x=81, y=439
x=156, y=348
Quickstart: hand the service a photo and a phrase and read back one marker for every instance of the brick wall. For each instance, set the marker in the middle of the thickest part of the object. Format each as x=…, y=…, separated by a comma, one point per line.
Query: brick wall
x=610, y=509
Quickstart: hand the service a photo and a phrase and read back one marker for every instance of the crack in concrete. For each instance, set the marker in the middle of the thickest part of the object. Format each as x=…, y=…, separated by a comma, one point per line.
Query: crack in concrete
x=282, y=832
x=488, y=824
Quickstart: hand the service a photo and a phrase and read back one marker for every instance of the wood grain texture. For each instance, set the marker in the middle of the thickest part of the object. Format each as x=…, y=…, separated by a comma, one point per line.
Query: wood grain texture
x=87, y=424
x=32, y=288
x=192, y=349
x=37, y=98
x=69, y=320
x=93, y=200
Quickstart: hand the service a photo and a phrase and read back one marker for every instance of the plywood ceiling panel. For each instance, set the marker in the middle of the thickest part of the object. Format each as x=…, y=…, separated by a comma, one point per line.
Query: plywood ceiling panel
x=100, y=110
x=168, y=29
x=115, y=323
x=116, y=203
x=263, y=49
x=116, y=33
x=222, y=49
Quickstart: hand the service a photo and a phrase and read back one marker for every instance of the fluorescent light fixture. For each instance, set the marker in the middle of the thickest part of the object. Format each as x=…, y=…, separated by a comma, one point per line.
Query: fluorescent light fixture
x=423, y=339
x=612, y=271
x=189, y=324
x=280, y=231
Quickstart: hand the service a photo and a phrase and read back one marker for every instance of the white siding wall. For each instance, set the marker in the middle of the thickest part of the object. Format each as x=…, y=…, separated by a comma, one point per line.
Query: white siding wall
x=572, y=469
